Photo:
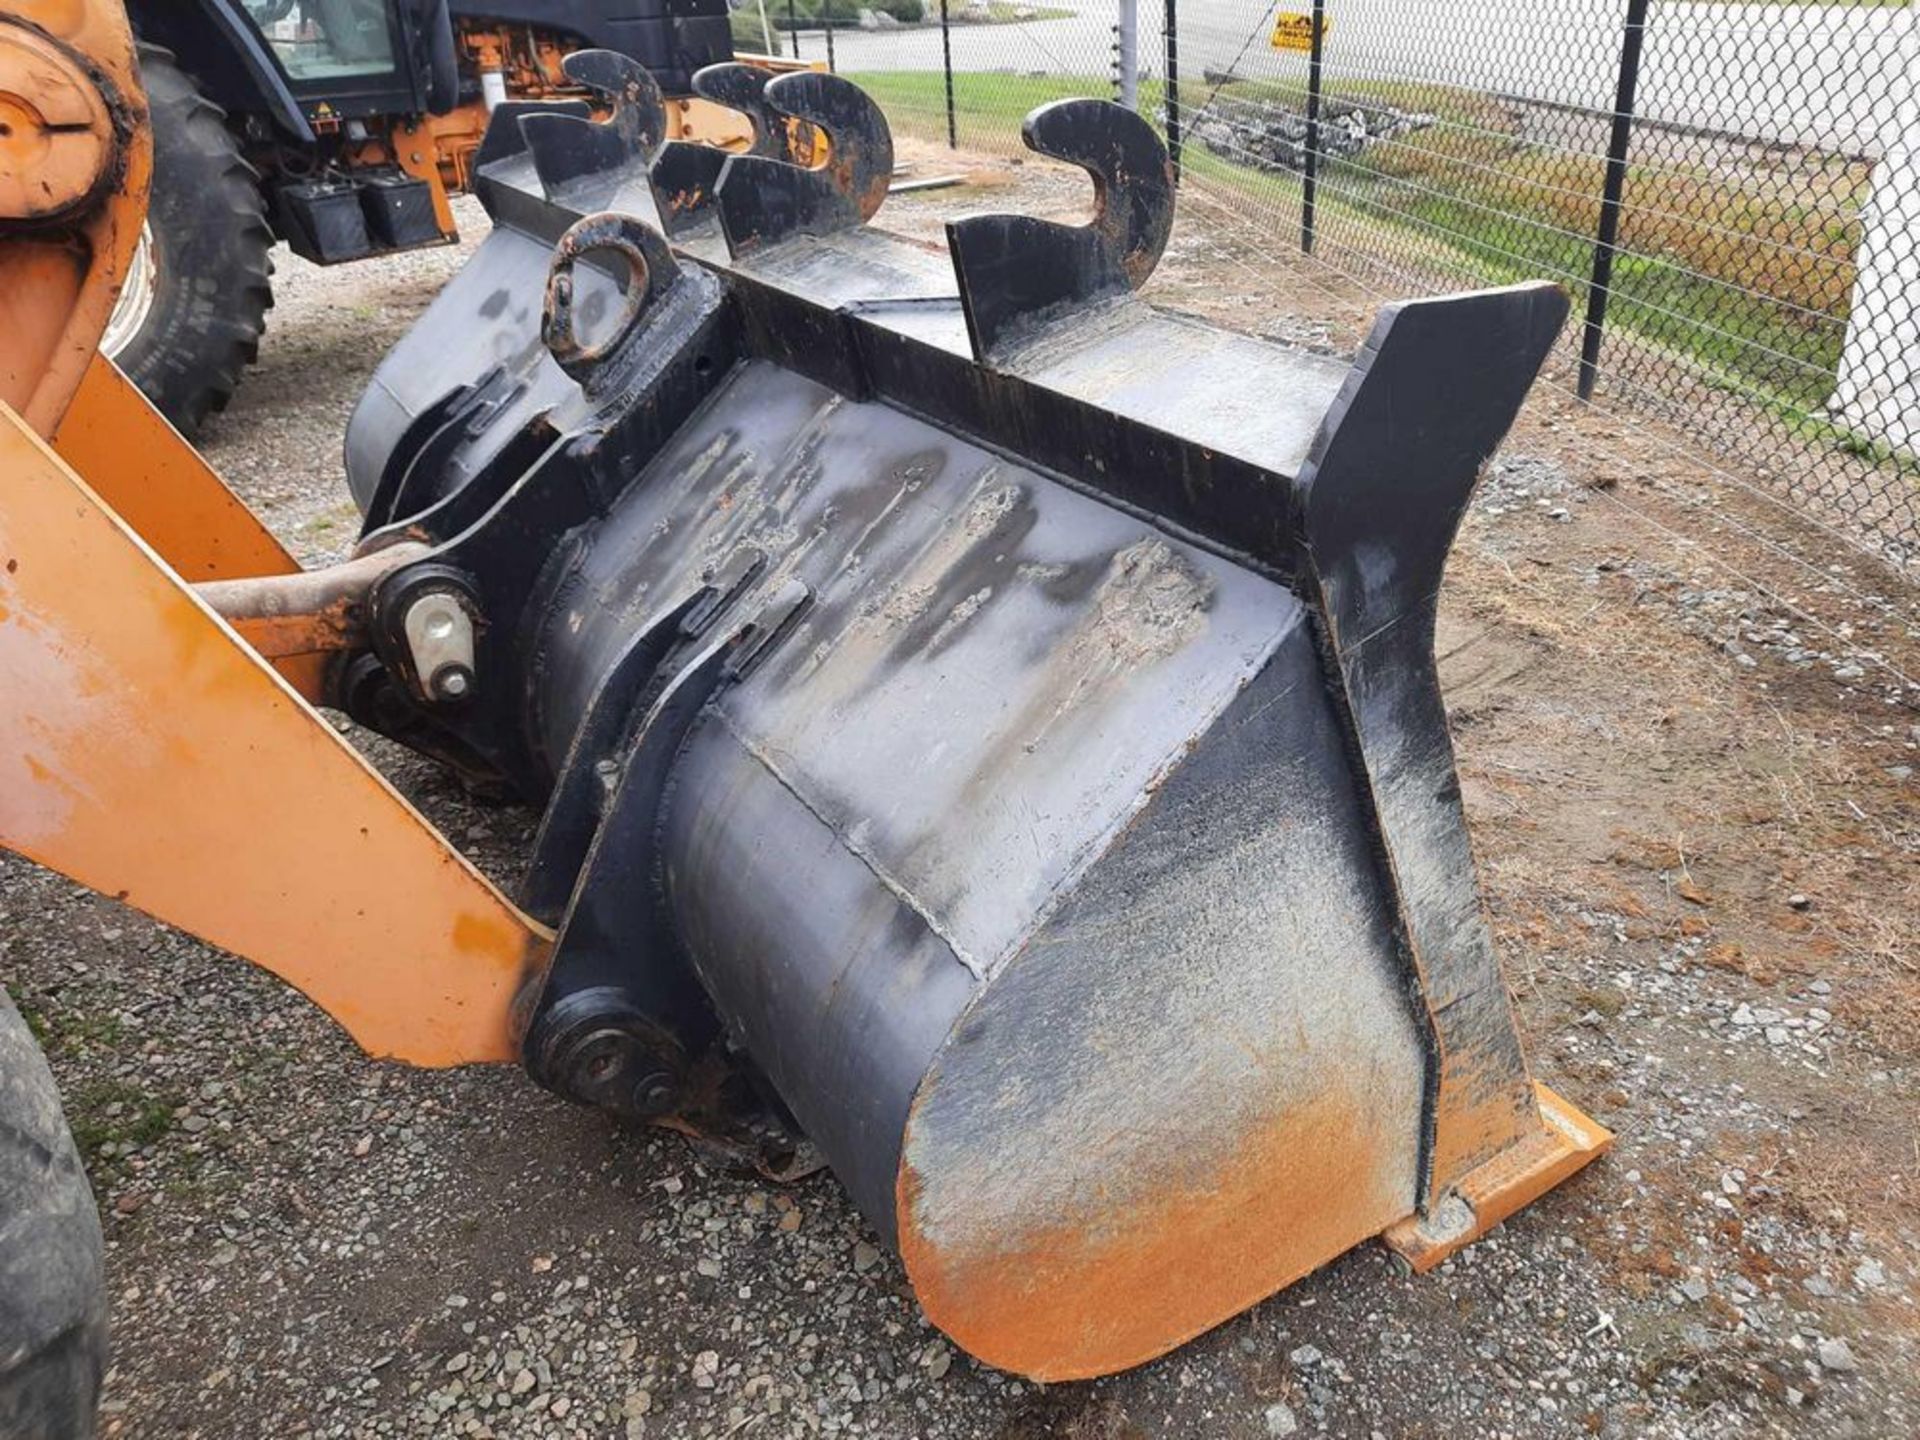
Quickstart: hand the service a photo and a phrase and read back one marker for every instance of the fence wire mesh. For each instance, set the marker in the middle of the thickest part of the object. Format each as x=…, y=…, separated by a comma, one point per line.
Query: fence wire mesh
x=1730, y=192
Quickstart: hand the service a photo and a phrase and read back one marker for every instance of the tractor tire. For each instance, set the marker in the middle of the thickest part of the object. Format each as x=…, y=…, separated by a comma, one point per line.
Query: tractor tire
x=53, y=1305
x=189, y=318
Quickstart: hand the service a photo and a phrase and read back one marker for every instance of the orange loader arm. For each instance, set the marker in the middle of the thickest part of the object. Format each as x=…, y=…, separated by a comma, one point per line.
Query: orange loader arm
x=146, y=749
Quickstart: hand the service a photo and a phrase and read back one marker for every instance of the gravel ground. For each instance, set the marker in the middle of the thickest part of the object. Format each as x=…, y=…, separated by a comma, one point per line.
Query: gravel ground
x=1696, y=819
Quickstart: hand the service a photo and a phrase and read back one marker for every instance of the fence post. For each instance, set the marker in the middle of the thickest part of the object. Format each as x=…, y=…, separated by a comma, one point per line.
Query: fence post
x=1311, y=177
x=1173, y=86
x=793, y=30
x=826, y=19
x=1600, y=289
x=1127, y=54
x=946, y=64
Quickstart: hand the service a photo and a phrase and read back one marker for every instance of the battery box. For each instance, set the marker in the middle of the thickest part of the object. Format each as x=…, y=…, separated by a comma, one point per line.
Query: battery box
x=323, y=220
x=398, y=210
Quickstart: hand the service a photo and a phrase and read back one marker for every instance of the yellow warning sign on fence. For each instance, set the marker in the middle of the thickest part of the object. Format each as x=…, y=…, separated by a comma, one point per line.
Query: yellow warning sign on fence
x=1295, y=31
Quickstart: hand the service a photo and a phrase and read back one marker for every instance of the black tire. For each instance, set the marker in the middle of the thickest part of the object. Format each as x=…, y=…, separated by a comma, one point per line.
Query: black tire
x=212, y=276
x=53, y=1305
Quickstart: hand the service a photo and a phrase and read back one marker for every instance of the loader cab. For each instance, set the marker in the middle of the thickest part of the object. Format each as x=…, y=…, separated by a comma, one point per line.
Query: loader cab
x=343, y=128
x=351, y=59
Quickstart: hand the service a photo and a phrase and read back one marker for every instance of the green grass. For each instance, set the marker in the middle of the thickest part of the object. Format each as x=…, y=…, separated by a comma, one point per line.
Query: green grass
x=66, y=1031
x=1703, y=276
x=116, y=1112
x=39, y=1023
x=988, y=108
x=100, y=1112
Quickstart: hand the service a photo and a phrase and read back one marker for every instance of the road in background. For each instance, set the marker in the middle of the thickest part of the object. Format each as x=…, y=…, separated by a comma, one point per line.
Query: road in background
x=1811, y=74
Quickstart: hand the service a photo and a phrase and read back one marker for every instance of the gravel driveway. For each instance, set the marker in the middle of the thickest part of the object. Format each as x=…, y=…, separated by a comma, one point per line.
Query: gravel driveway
x=1697, y=828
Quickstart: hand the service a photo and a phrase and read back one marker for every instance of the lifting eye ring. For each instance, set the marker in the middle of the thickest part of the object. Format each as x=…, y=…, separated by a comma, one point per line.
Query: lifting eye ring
x=612, y=234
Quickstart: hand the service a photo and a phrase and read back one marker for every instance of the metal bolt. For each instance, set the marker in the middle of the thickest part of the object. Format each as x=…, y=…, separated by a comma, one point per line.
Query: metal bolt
x=453, y=682
x=653, y=1093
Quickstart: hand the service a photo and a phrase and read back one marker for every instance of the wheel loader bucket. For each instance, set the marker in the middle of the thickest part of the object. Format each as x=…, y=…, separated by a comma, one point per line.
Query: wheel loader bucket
x=990, y=719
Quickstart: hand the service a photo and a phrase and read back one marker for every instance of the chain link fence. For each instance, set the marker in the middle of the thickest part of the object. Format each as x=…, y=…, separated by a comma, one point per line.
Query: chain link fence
x=1730, y=192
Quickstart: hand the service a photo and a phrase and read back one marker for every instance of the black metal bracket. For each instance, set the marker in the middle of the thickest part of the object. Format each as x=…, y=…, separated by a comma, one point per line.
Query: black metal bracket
x=686, y=174
x=586, y=163
x=400, y=589
x=763, y=200
x=622, y=1010
x=580, y=792
x=434, y=429
x=505, y=136
x=500, y=560
x=1429, y=398
x=1016, y=271
x=652, y=272
x=507, y=525
x=453, y=514
x=743, y=88
x=582, y=789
